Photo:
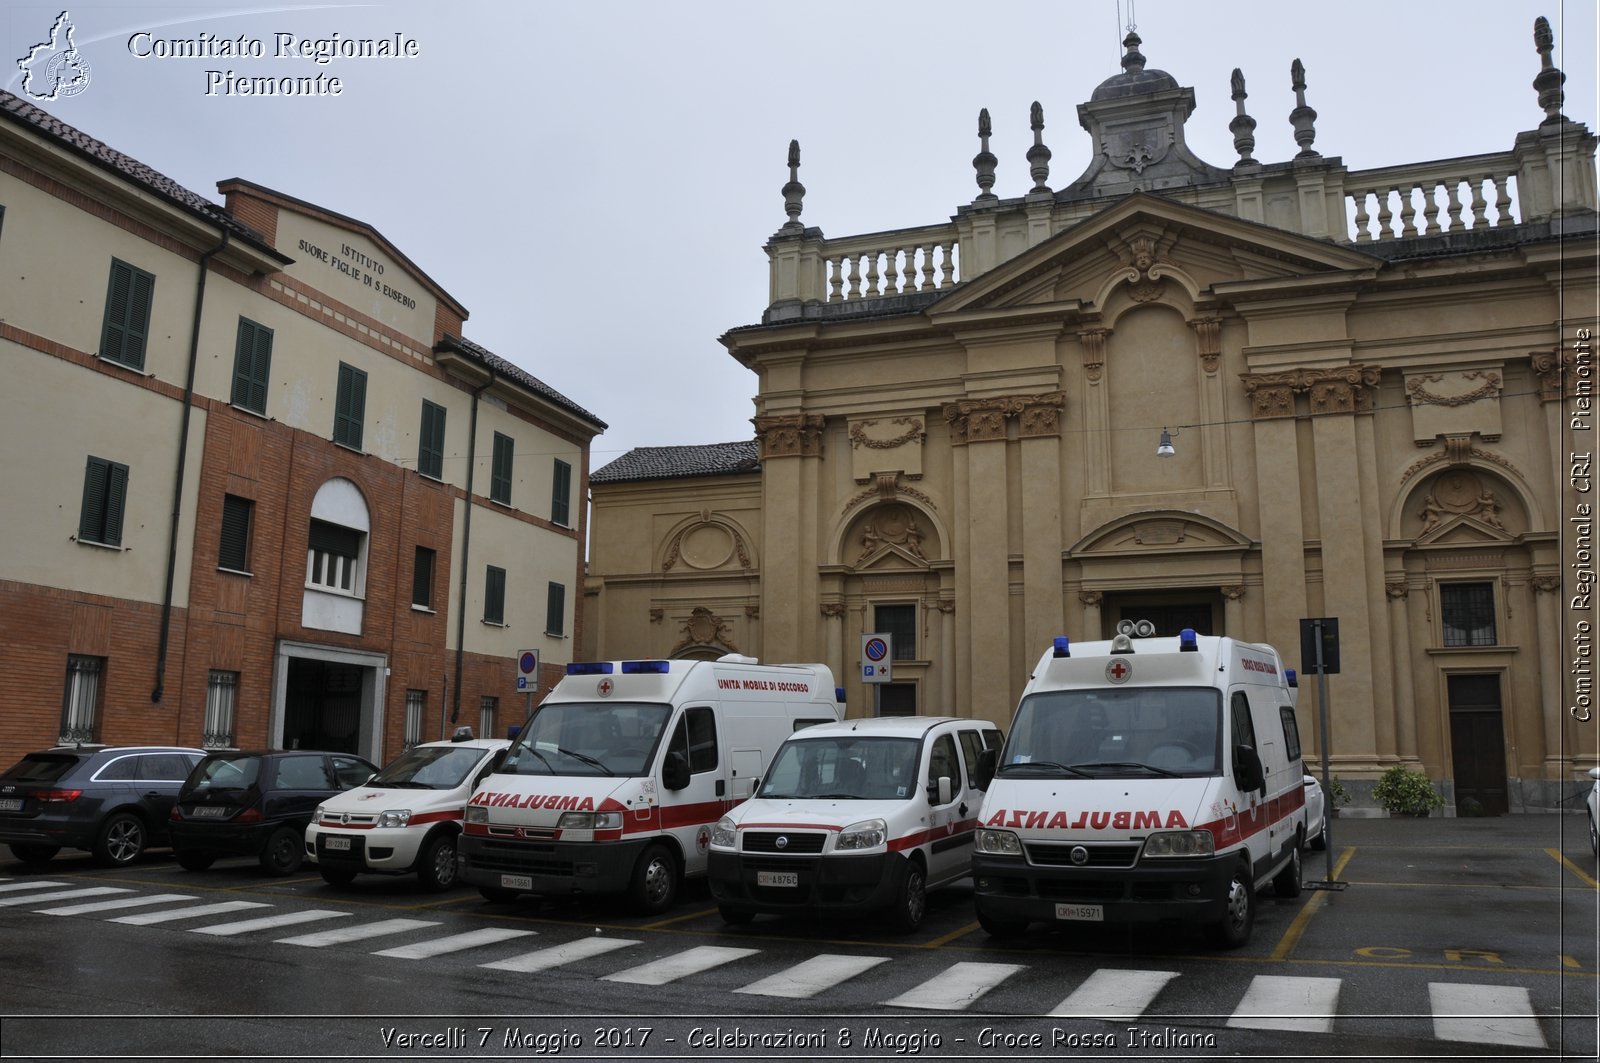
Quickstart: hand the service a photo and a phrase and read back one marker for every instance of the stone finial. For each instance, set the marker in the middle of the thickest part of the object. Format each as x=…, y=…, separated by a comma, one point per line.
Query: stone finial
x=1038, y=155
x=1133, y=62
x=984, y=162
x=1243, y=127
x=1302, y=117
x=1550, y=79
x=793, y=192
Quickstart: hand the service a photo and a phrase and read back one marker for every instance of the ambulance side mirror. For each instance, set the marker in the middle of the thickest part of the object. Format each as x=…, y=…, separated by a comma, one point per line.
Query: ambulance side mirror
x=675, y=771
x=987, y=760
x=940, y=791
x=1247, y=771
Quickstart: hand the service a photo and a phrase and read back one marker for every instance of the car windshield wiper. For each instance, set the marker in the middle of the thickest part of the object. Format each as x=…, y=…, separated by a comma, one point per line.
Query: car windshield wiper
x=585, y=758
x=840, y=797
x=1131, y=764
x=1047, y=765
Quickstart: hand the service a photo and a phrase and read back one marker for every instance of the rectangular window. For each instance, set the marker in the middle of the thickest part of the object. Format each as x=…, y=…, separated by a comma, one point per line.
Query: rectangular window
x=1468, y=613
x=80, y=705
x=500, y=473
x=422, y=579
x=416, y=706
x=105, y=492
x=555, y=610
x=233, y=552
x=430, y=441
x=488, y=708
x=222, y=695
x=350, y=406
x=127, y=324
x=561, y=494
x=252, y=364
x=1291, y=733
x=494, y=595
x=899, y=622
x=331, y=556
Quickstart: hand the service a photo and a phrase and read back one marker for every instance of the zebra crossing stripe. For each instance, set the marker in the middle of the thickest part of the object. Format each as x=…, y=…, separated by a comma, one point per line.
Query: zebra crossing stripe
x=1109, y=994
x=219, y=908
x=559, y=955
x=1492, y=1014
x=63, y=895
x=15, y=887
x=344, y=934
x=813, y=976
x=423, y=950
x=1285, y=1002
x=694, y=961
x=112, y=905
x=957, y=987
x=268, y=922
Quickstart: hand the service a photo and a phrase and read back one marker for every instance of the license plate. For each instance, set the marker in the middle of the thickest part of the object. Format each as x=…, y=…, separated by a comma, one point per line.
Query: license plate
x=517, y=882
x=1081, y=913
x=209, y=812
x=777, y=878
x=10, y=804
x=336, y=843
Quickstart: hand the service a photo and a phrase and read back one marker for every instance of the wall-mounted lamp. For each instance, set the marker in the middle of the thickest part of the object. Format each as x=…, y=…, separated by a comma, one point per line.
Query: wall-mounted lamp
x=1164, y=448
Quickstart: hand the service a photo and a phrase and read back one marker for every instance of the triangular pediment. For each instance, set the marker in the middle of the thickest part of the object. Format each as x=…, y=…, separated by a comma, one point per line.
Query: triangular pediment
x=1464, y=531
x=1146, y=238
x=890, y=557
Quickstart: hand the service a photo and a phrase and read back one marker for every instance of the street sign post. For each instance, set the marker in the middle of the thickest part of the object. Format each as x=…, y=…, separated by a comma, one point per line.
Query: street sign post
x=1319, y=643
x=527, y=671
x=877, y=651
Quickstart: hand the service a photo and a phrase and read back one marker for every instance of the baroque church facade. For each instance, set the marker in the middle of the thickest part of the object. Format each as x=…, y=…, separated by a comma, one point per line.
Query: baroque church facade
x=1366, y=389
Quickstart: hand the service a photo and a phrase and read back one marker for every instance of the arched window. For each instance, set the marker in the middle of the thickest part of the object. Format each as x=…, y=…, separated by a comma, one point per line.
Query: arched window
x=336, y=551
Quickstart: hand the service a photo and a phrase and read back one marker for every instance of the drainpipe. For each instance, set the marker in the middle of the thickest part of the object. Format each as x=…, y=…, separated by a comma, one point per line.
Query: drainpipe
x=466, y=550
x=177, y=485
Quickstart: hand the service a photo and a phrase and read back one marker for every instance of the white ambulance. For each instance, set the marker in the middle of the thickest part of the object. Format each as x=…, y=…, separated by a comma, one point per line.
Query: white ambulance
x=1144, y=779
x=617, y=779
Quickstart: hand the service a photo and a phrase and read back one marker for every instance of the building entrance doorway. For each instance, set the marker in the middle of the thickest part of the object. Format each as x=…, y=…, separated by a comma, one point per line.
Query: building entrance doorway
x=322, y=705
x=1477, y=742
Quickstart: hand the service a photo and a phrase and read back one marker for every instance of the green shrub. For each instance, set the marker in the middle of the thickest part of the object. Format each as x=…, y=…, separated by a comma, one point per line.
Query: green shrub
x=1407, y=793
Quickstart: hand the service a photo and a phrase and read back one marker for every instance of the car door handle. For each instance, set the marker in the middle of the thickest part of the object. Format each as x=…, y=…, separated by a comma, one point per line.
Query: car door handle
x=963, y=808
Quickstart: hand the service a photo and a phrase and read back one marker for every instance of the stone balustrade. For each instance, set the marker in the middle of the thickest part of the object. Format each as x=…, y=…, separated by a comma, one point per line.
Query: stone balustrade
x=891, y=263
x=1426, y=199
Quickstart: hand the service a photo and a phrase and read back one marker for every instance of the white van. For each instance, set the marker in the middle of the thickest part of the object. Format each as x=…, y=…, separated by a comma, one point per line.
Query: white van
x=616, y=780
x=1144, y=779
x=858, y=816
x=406, y=817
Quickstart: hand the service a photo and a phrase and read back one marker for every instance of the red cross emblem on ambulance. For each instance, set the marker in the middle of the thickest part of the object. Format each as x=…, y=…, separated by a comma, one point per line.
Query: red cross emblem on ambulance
x=605, y=688
x=1118, y=671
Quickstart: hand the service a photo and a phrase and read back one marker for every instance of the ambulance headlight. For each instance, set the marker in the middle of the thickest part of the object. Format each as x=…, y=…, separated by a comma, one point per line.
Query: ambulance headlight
x=590, y=821
x=1180, y=843
x=868, y=834
x=722, y=835
x=999, y=842
x=400, y=817
x=475, y=814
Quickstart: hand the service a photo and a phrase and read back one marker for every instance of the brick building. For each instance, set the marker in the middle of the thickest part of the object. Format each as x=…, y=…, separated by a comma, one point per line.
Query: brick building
x=261, y=491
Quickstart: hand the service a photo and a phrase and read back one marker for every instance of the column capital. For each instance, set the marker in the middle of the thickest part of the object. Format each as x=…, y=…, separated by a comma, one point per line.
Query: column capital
x=796, y=435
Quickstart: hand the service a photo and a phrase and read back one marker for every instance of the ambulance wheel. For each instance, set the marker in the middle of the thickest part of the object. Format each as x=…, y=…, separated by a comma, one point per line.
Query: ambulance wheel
x=655, y=881
x=910, y=898
x=1234, y=929
x=735, y=916
x=1001, y=928
x=1287, y=882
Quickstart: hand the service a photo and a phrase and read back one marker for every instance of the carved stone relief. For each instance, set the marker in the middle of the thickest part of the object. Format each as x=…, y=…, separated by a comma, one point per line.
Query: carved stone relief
x=984, y=420
x=790, y=435
x=703, y=628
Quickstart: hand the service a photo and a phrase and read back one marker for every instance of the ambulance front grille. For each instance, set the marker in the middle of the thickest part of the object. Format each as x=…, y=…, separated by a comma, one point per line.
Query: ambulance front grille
x=794, y=843
x=1055, y=854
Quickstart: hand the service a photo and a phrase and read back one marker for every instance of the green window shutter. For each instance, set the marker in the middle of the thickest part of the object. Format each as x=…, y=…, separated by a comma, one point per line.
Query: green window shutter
x=233, y=550
x=500, y=474
x=350, y=406
x=555, y=613
x=430, y=446
x=561, y=493
x=252, y=366
x=105, y=493
x=494, y=595
x=127, y=323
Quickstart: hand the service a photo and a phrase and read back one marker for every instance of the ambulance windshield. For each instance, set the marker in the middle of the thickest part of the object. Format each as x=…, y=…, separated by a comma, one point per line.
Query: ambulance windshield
x=1117, y=731
x=588, y=738
x=849, y=767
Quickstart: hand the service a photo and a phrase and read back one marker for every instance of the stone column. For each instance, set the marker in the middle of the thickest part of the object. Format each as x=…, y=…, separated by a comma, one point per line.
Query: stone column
x=947, y=671
x=978, y=427
x=1093, y=625
x=834, y=648
x=1096, y=413
x=1547, y=605
x=790, y=447
x=1213, y=401
x=1233, y=612
x=1039, y=427
x=1278, y=484
x=1405, y=705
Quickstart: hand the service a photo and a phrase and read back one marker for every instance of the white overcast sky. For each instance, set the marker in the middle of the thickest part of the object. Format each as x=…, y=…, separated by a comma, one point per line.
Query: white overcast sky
x=594, y=181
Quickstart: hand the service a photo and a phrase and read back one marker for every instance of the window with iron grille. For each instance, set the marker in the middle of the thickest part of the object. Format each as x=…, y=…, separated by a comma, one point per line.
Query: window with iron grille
x=222, y=695
x=500, y=472
x=422, y=579
x=233, y=549
x=252, y=365
x=350, y=406
x=494, y=595
x=105, y=493
x=430, y=441
x=416, y=706
x=899, y=621
x=332, y=557
x=1467, y=610
x=126, y=327
x=488, y=709
x=561, y=494
x=80, y=705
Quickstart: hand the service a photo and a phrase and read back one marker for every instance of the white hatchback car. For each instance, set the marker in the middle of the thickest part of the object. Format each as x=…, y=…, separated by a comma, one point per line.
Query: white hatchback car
x=1594, y=811
x=406, y=817
x=1316, y=814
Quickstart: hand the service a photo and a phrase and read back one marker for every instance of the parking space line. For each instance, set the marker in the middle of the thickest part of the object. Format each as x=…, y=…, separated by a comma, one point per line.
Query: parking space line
x=1291, y=937
x=1561, y=858
x=953, y=935
x=678, y=919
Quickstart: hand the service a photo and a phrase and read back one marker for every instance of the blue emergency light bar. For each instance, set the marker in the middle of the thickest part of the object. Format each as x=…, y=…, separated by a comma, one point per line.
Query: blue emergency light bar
x=1062, y=647
x=1187, y=642
x=838, y=694
x=589, y=668
x=1291, y=677
x=644, y=668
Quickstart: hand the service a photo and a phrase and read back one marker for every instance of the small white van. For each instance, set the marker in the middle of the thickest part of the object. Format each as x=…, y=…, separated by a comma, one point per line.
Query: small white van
x=405, y=818
x=858, y=816
x=1144, y=779
x=616, y=780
